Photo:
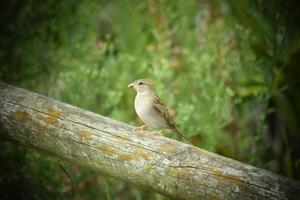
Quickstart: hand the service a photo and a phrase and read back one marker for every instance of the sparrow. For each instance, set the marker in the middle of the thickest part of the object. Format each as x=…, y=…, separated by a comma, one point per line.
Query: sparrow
x=150, y=109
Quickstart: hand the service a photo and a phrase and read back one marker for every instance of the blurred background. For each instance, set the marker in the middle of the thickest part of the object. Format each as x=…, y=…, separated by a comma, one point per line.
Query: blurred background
x=227, y=69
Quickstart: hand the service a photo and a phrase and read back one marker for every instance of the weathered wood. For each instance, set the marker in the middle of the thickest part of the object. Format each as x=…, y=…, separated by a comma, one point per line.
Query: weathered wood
x=164, y=165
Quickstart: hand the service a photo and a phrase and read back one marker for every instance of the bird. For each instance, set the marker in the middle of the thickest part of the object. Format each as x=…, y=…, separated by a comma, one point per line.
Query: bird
x=150, y=108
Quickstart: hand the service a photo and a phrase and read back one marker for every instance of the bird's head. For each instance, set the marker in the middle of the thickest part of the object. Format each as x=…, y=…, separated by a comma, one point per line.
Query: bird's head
x=143, y=86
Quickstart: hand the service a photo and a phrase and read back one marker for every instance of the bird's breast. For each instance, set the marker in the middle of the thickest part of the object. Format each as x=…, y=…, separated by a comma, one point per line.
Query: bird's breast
x=144, y=108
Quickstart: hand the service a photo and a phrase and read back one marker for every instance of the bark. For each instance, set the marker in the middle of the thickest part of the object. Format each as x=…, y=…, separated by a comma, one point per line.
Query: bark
x=111, y=147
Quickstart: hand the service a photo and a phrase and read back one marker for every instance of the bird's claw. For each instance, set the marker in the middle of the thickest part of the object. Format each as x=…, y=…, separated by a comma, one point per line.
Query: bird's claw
x=158, y=133
x=140, y=128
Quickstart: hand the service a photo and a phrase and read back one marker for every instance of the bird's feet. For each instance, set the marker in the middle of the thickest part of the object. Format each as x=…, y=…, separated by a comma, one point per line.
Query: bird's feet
x=140, y=128
x=159, y=132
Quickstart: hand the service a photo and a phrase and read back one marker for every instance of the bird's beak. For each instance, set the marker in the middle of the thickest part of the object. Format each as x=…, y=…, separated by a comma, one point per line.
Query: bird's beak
x=130, y=85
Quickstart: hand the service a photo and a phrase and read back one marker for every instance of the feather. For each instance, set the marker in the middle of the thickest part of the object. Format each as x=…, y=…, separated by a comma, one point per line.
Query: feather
x=163, y=111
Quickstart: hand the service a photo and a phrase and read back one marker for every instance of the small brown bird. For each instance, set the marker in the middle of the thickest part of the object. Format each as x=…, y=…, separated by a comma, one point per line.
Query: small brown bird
x=151, y=109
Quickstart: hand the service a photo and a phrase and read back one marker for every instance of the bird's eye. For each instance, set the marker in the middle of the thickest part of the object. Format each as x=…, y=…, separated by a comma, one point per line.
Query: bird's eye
x=140, y=83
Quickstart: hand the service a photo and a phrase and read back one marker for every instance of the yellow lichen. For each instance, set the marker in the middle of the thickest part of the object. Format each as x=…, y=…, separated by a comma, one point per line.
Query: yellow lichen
x=169, y=148
x=233, y=179
x=147, y=167
x=142, y=153
x=20, y=97
x=26, y=118
x=38, y=125
x=126, y=157
x=48, y=120
x=120, y=139
x=22, y=115
x=179, y=172
x=107, y=150
x=85, y=134
x=54, y=112
x=212, y=197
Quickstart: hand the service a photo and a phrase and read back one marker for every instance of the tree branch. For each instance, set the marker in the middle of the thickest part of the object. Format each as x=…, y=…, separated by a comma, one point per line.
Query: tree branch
x=164, y=165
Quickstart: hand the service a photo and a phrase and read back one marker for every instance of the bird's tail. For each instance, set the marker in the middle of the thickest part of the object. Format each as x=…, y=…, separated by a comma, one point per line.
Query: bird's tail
x=179, y=134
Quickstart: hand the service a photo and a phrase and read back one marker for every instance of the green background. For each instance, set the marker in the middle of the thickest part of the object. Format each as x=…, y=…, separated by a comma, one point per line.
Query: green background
x=228, y=71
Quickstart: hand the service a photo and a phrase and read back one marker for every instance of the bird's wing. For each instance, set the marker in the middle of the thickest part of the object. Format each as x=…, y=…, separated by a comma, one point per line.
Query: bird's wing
x=162, y=109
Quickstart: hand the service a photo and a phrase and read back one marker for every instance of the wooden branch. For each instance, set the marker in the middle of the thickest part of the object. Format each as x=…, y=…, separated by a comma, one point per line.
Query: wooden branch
x=164, y=165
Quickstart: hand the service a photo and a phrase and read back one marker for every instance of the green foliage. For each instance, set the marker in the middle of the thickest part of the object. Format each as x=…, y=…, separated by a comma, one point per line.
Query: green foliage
x=221, y=67
x=17, y=180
